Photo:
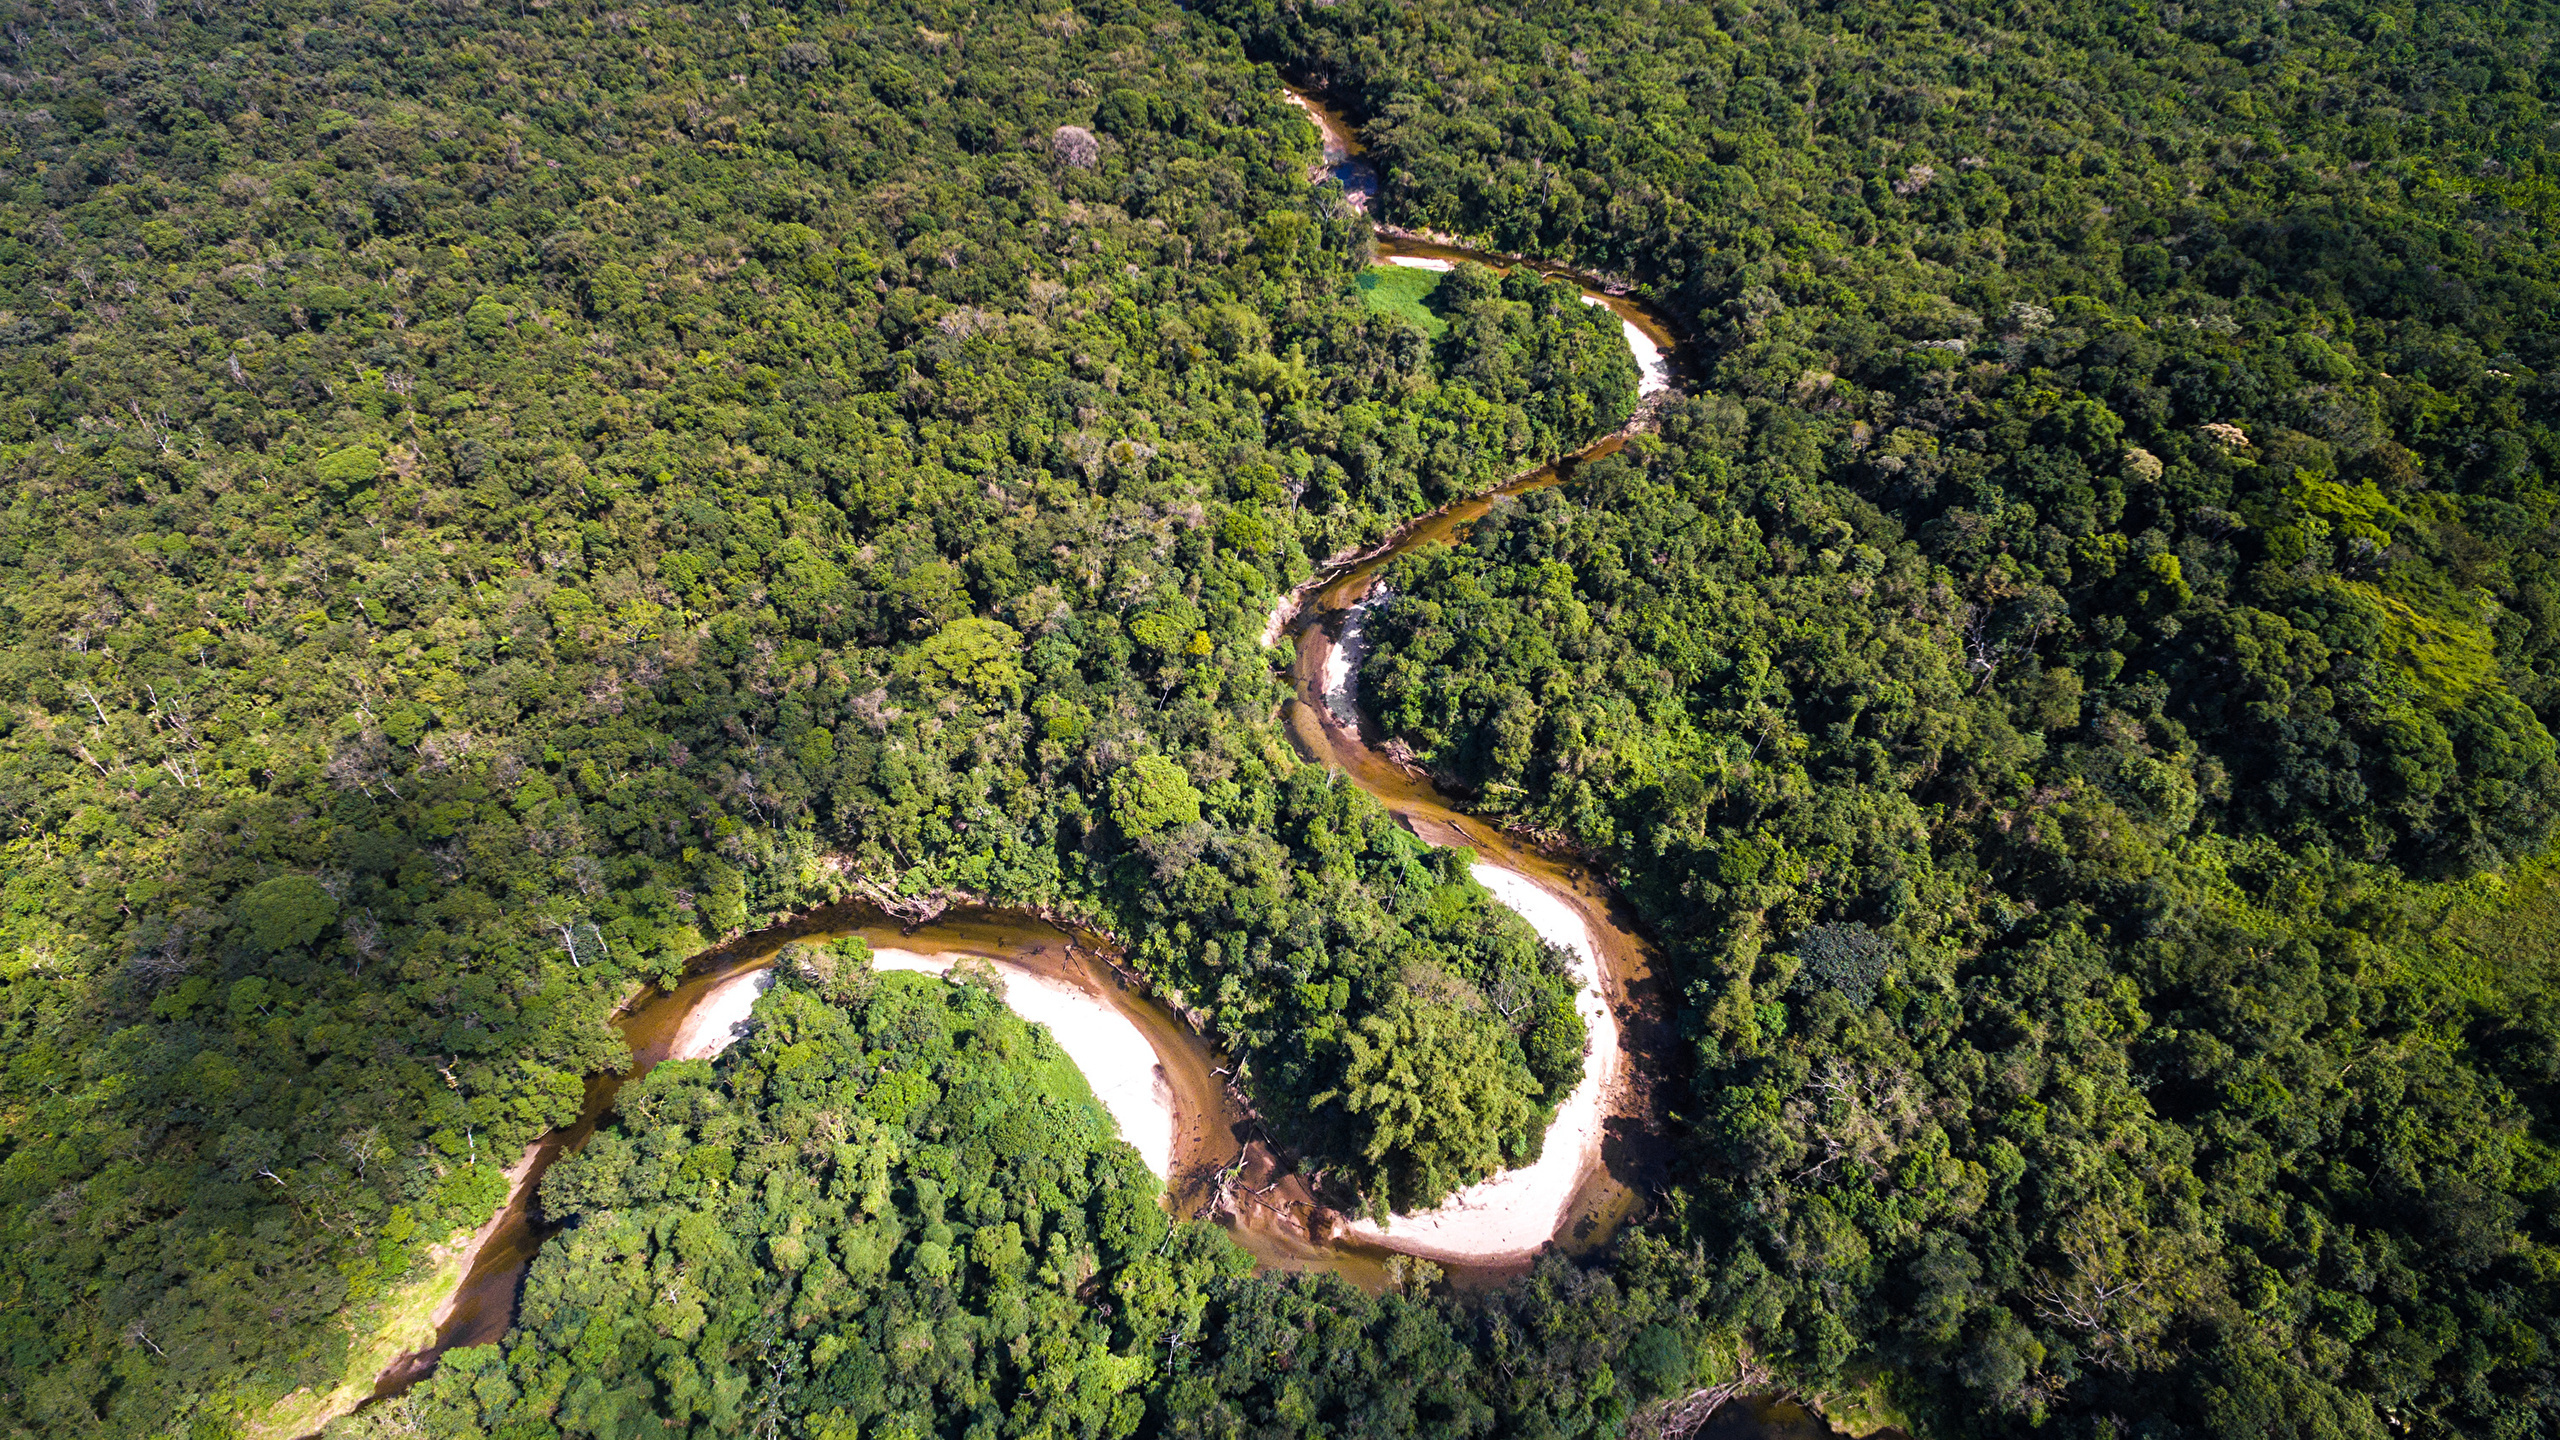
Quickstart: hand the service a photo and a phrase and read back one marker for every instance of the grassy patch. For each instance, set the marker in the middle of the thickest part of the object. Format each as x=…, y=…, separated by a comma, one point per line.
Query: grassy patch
x=2500, y=932
x=2448, y=657
x=1403, y=290
x=405, y=1321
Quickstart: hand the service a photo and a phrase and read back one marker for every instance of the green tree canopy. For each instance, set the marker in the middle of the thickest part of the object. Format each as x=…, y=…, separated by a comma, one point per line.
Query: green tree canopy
x=288, y=911
x=972, y=657
x=1150, y=793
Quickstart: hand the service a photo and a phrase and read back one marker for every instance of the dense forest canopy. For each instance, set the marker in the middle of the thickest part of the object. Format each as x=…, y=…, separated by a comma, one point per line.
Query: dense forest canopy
x=876, y=1216
x=502, y=498
x=894, y=1210
x=499, y=499
x=2068, y=685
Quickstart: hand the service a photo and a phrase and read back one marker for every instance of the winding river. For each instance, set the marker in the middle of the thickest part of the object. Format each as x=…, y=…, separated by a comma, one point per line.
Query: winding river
x=1180, y=1113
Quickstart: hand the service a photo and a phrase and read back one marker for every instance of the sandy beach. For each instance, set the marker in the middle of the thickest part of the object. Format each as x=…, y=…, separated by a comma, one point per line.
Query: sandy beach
x=719, y=1020
x=1113, y=1053
x=1653, y=368
x=1517, y=1211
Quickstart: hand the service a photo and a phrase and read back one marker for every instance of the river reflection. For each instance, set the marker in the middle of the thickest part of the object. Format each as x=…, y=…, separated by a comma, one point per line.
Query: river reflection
x=1345, y=159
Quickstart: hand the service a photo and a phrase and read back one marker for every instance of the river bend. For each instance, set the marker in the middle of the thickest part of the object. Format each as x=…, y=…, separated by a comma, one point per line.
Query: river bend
x=1173, y=1104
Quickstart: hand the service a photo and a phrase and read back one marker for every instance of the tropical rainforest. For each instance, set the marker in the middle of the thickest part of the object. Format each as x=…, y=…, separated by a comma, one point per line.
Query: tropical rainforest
x=497, y=503
x=2073, y=684
x=895, y=1210
x=501, y=499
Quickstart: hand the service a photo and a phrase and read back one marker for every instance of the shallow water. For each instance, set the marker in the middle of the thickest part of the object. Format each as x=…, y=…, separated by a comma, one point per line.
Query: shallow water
x=1216, y=1162
x=1205, y=1139
x=1345, y=160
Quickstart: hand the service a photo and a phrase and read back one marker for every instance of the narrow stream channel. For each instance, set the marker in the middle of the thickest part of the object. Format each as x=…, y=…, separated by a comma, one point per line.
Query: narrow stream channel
x=1217, y=1162
x=1205, y=1139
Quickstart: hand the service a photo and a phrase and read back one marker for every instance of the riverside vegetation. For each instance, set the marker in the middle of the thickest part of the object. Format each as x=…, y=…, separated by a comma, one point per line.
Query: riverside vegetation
x=2072, y=689
x=500, y=498
x=893, y=1210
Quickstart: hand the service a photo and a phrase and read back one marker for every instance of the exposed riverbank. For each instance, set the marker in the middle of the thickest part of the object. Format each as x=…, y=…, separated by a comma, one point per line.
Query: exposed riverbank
x=1172, y=1101
x=720, y=1021
x=1169, y=1082
x=1564, y=900
x=1601, y=1146
x=1513, y=1214
x=1117, y=1058
x=1589, y=1174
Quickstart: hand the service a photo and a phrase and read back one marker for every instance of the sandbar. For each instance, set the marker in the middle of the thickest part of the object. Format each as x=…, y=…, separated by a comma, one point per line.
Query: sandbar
x=1515, y=1212
x=1113, y=1052
x=1653, y=368
x=719, y=1019
x=1106, y=1045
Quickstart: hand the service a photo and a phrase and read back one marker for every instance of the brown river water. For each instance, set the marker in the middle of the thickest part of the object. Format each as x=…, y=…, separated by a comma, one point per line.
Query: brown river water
x=1221, y=1165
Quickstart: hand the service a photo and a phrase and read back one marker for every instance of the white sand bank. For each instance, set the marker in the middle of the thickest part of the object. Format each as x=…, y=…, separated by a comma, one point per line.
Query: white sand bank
x=1113, y=1053
x=1653, y=369
x=1422, y=262
x=719, y=1018
x=1517, y=1211
x=1342, y=662
x=1652, y=366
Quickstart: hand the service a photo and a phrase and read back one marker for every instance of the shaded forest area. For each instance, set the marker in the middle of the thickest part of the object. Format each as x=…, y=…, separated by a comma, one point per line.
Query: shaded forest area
x=2073, y=690
x=500, y=499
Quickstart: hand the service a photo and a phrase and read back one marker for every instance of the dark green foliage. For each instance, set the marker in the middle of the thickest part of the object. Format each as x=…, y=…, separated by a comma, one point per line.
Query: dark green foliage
x=2130, y=1070
x=893, y=1207
x=288, y=911
x=1849, y=959
x=1407, y=1027
x=500, y=497
x=2110, y=560
x=1565, y=1352
x=2272, y=430
x=885, y=1215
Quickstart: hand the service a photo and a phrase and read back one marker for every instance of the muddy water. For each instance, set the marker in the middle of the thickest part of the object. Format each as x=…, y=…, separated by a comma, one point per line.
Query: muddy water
x=1639, y=317
x=1326, y=612
x=1344, y=156
x=1219, y=1163
x=1209, y=1132
x=1630, y=979
x=1324, y=722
